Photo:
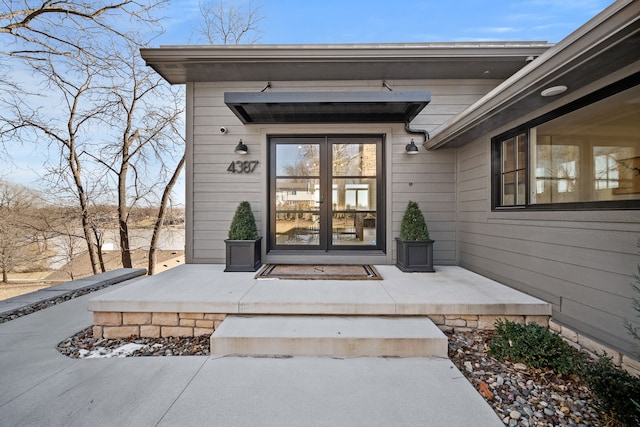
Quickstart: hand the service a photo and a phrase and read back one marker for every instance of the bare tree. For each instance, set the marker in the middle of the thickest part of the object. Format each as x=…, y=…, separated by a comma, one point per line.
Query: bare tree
x=67, y=132
x=86, y=54
x=16, y=242
x=164, y=203
x=225, y=23
x=40, y=28
x=147, y=136
x=113, y=125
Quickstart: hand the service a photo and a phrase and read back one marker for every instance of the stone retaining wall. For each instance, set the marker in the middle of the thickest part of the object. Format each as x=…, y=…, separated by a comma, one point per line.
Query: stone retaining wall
x=156, y=325
x=113, y=324
x=461, y=322
x=595, y=349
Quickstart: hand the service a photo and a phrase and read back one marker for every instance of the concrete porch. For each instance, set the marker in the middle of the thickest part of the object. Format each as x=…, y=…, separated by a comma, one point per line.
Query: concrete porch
x=195, y=299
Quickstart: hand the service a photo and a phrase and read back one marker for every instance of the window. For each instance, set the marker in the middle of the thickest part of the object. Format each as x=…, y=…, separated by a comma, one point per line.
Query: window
x=513, y=168
x=586, y=156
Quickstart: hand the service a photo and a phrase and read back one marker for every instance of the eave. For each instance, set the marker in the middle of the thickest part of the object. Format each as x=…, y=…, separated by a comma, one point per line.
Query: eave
x=607, y=44
x=482, y=60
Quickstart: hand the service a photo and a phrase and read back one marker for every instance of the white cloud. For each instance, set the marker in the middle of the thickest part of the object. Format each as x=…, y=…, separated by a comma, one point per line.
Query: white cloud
x=498, y=30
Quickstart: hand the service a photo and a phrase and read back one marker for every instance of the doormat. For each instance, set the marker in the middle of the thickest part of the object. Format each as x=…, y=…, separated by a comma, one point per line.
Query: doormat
x=318, y=272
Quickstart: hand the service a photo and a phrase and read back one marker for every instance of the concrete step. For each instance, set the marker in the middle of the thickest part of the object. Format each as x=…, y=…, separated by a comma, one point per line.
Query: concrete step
x=352, y=336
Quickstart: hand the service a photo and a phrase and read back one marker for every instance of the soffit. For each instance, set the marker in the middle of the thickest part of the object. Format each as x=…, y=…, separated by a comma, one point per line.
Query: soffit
x=182, y=64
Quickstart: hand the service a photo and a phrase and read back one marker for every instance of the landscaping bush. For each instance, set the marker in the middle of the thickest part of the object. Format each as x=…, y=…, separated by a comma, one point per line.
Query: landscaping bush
x=243, y=224
x=413, y=225
x=615, y=390
x=534, y=346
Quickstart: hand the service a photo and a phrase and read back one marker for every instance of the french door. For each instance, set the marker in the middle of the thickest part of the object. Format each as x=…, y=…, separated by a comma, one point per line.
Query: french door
x=326, y=193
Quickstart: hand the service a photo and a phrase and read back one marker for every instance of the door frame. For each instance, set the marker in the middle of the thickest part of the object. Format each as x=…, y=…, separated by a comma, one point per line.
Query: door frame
x=325, y=156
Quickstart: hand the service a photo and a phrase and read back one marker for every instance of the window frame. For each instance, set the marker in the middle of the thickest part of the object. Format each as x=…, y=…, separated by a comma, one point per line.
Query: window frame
x=496, y=157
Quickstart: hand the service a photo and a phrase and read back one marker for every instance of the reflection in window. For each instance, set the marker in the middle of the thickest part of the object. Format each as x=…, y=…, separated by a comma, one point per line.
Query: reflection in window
x=298, y=160
x=513, y=171
x=353, y=194
x=556, y=170
x=297, y=228
x=297, y=194
x=353, y=228
x=590, y=154
x=354, y=159
x=614, y=169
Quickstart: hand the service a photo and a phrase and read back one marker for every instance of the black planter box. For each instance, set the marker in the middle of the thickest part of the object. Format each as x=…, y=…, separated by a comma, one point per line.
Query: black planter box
x=244, y=255
x=415, y=256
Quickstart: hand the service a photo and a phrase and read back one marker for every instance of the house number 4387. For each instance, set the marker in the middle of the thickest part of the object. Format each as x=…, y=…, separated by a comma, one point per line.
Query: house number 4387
x=248, y=166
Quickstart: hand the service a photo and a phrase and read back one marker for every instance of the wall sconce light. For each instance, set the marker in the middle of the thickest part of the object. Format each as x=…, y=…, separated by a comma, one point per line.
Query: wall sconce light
x=241, y=148
x=411, y=148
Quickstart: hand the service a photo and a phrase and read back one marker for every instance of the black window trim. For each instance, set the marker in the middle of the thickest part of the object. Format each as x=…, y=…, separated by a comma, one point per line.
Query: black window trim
x=496, y=189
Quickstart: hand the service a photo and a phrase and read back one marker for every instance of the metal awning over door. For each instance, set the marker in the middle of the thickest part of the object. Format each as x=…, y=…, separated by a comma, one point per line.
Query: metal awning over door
x=327, y=107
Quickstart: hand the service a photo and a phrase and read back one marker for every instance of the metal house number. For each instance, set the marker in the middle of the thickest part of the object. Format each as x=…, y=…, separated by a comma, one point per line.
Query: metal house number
x=247, y=166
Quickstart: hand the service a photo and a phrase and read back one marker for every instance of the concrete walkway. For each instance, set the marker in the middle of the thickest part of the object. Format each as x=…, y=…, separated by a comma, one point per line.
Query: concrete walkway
x=40, y=387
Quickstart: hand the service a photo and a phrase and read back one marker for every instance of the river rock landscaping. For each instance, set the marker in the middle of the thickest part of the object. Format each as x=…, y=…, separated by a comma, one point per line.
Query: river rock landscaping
x=522, y=396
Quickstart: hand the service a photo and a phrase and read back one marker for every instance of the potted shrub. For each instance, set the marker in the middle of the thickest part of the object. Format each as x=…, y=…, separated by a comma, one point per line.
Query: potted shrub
x=243, y=245
x=414, y=248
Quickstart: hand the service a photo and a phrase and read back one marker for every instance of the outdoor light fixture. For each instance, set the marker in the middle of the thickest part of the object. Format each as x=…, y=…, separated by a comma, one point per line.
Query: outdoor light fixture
x=554, y=90
x=411, y=148
x=241, y=148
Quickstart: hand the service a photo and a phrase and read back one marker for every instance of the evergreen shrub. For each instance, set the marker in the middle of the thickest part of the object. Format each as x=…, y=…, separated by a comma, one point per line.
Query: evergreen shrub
x=413, y=226
x=534, y=346
x=615, y=389
x=243, y=225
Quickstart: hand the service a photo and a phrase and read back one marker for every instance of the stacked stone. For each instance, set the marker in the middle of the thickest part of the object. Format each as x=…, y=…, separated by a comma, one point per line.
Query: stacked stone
x=113, y=324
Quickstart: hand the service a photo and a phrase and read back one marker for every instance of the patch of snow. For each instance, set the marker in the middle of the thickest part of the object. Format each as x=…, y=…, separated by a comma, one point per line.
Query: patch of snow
x=122, y=351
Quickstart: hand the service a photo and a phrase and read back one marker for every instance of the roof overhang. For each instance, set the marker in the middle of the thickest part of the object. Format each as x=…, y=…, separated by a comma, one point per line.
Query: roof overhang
x=606, y=46
x=263, y=63
x=327, y=107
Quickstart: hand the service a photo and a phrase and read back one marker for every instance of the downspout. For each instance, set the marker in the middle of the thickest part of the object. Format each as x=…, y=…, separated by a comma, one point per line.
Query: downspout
x=424, y=133
x=407, y=125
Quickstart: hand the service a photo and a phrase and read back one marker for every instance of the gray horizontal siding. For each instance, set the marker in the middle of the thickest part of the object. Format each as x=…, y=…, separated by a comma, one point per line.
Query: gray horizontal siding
x=215, y=193
x=581, y=262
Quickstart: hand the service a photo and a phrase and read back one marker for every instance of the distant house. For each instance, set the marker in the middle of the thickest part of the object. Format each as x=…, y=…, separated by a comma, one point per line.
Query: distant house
x=527, y=170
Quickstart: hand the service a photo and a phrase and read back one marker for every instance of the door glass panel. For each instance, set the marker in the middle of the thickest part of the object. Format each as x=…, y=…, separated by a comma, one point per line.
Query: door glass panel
x=297, y=194
x=300, y=194
x=353, y=228
x=354, y=159
x=298, y=160
x=297, y=228
x=353, y=194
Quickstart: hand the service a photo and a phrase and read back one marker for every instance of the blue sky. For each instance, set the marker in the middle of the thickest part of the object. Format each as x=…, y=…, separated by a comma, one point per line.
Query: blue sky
x=385, y=21
x=362, y=21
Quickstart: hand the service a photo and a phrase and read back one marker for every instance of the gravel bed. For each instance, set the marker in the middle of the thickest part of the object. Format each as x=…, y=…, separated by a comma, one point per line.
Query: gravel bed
x=84, y=346
x=522, y=396
x=32, y=308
